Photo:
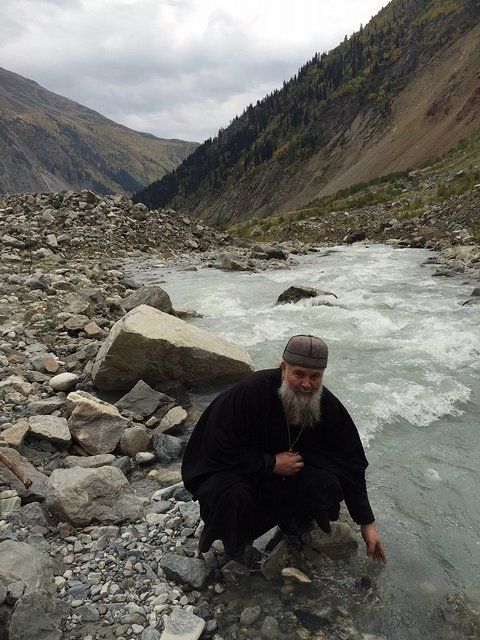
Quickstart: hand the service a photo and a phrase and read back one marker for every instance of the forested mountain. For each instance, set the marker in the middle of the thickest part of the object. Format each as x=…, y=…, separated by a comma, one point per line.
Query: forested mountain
x=400, y=91
x=50, y=143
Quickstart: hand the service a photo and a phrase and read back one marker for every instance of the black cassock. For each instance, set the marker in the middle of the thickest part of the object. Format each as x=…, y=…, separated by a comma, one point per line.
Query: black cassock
x=229, y=460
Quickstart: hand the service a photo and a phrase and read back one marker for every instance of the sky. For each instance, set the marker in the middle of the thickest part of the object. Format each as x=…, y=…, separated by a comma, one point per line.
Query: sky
x=174, y=68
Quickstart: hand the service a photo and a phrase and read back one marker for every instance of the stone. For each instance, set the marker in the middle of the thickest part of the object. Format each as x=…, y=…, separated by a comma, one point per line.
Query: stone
x=190, y=512
x=183, y=625
x=273, y=564
x=150, y=633
x=63, y=382
x=230, y=262
x=341, y=540
x=76, y=323
x=151, y=295
x=33, y=613
x=250, y=615
x=32, y=515
x=167, y=448
x=89, y=462
x=92, y=330
x=142, y=399
x=50, y=364
x=134, y=440
x=473, y=302
x=270, y=628
x=82, y=496
x=291, y=574
x=191, y=571
x=14, y=436
x=299, y=292
x=51, y=428
x=45, y=406
x=15, y=383
x=147, y=344
x=9, y=505
x=96, y=425
x=37, y=489
x=174, y=418
x=268, y=540
x=475, y=292
x=76, y=304
x=166, y=478
x=144, y=457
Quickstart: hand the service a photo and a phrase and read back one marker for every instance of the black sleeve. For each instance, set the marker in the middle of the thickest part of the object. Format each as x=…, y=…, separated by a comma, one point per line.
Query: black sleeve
x=356, y=498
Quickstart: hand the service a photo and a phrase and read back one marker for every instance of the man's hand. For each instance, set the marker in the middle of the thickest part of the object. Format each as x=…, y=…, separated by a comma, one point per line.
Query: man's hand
x=288, y=463
x=373, y=542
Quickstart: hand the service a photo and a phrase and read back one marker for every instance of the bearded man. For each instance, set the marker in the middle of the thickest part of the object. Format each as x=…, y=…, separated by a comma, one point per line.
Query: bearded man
x=278, y=448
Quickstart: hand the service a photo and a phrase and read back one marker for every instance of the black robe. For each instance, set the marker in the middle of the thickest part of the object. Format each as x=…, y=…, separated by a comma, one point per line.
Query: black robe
x=229, y=460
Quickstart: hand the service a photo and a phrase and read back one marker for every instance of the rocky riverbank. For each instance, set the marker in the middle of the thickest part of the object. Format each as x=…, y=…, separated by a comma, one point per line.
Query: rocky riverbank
x=98, y=536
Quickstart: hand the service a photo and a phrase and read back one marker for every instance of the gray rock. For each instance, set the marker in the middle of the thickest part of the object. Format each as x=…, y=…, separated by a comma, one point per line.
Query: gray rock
x=88, y=613
x=32, y=616
x=190, y=512
x=270, y=628
x=63, y=381
x=167, y=448
x=3, y=593
x=96, y=425
x=134, y=440
x=250, y=615
x=273, y=564
x=230, y=262
x=82, y=496
x=341, y=540
x=473, y=302
x=51, y=428
x=89, y=462
x=174, y=418
x=296, y=293
x=183, y=625
x=32, y=515
x=142, y=399
x=149, y=345
x=151, y=295
x=268, y=540
x=38, y=488
x=45, y=406
x=191, y=571
x=9, y=505
x=475, y=292
x=150, y=633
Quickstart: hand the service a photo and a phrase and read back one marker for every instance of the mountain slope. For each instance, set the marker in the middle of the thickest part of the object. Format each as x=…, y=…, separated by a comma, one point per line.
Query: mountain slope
x=49, y=143
x=398, y=92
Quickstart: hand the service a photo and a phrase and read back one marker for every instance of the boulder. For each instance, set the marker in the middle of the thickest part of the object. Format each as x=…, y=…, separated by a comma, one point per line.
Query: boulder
x=167, y=448
x=51, y=428
x=14, y=436
x=151, y=295
x=149, y=345
x=134, y=440
x=95, y=424
x=82, y=496
x=230, y=262
x=174, y=418
x=142, y=399
x=33, y=610
x=295, y=293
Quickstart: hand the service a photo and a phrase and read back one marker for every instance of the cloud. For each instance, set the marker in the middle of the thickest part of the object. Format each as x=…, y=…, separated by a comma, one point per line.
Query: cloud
x=176, y=68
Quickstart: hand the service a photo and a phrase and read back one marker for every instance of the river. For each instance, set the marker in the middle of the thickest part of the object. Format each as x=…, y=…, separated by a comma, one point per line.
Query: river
x=405, y=360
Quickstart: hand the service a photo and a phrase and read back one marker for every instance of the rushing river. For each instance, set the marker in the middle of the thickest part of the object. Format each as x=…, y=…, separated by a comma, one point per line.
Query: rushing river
x=405, y=360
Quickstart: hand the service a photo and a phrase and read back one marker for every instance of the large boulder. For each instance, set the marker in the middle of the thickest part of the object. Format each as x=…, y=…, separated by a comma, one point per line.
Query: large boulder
x=142, y=399
x=152, y=295
x=29, y=572
x=149, y=345
x=82, y=496
x=51, y=428
x=295, y=293
x=95, y=424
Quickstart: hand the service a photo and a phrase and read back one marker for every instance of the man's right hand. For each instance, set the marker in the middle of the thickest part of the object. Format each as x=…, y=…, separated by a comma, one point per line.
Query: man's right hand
x=288, y=463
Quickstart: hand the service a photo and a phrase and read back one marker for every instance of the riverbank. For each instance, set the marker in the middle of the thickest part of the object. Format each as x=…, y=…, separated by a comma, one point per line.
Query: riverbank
x=63, y=288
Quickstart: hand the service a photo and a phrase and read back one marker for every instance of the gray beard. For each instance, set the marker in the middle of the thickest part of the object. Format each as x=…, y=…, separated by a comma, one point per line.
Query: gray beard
x=301, y=411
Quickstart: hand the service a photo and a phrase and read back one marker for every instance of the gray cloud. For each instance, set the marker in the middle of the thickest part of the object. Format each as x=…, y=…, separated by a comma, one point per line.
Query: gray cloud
x=176, y=68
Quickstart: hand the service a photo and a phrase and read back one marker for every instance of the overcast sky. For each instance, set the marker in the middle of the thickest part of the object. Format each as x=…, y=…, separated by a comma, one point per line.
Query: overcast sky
x=175, y=68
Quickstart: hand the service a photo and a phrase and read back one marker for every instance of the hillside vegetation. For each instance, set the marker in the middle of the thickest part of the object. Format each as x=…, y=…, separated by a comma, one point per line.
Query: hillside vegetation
x=315, y=133
x=50, y=143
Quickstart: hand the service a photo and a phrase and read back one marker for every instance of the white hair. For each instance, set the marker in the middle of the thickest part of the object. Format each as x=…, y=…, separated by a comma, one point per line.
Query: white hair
x=303, y=411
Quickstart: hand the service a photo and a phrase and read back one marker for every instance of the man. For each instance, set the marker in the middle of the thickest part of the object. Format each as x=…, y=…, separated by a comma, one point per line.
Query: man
x=278, y=448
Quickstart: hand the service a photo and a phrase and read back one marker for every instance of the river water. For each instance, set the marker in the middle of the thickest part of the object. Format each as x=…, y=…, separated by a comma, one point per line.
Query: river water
x=405, y=360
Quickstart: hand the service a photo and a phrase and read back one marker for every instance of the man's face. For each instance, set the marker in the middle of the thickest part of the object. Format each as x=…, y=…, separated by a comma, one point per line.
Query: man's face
x=302, y=380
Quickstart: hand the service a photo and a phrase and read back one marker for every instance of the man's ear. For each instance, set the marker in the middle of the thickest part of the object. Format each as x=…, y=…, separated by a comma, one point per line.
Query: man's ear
x=283, y=366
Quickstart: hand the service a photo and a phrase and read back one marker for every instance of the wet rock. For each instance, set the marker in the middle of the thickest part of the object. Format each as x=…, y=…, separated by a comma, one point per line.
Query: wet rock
x=151, y=295
x=191, y=571
x=474, y=302
x=51, y=428
x=96, y=425
x=183, y=625
x=296, y=293
x=229, y=262
x=149, y=345
x=270, y=628
x=342, y=539
x=81, y=496
x=250, y=615
x=291, y=574
x=273, y=564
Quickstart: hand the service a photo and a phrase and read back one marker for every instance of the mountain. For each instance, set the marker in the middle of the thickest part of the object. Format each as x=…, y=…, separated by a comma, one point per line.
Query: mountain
x=50, y=143
x=402, y=90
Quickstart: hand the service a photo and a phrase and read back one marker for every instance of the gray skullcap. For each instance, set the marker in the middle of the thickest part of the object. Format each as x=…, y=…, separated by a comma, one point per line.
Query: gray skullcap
x=306, y=351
